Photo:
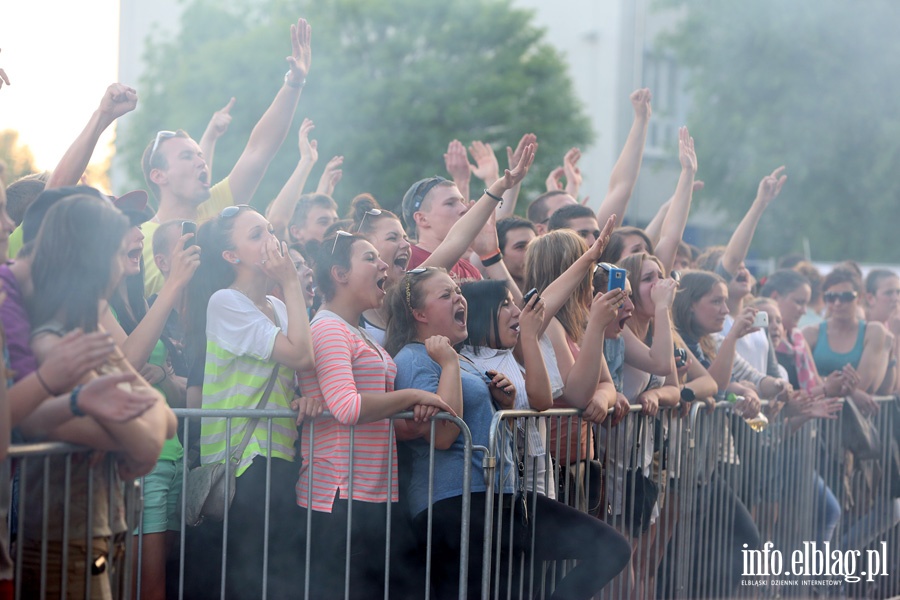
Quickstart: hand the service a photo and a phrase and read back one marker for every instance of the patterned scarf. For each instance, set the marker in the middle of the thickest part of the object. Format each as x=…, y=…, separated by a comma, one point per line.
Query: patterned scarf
x=807, y=375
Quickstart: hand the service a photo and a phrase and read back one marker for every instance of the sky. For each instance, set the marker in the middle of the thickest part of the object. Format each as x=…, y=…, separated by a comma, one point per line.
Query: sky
x=60, y=56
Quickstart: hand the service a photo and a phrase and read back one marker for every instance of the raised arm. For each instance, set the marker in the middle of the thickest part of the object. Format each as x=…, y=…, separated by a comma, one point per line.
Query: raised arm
x=572, y=172
x=676, y=218
x=271, y=130
x=118, y=100
x=216, y=128
x=282, y=208
x=560, y=289
x=507, y=208
x=723, y=365
x=625, y=172
x=467, y=228
x=537, y=379
x=293, y=348
x=739, y=244
x=138, y=345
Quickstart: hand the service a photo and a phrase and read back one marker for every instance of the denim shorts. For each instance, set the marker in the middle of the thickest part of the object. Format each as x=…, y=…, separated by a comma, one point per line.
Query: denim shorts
x=162, y=497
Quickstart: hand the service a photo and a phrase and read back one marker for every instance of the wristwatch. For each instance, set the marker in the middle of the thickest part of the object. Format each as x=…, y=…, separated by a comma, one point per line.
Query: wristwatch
x=291, y=83
x=688, y=395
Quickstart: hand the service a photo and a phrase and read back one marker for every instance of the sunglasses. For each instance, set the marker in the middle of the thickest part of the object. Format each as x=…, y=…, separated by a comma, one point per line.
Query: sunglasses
x=231, y=211
x=844, y=297
x=409, y=274
x=160, y=135
x=338, y=235
x=372, y=211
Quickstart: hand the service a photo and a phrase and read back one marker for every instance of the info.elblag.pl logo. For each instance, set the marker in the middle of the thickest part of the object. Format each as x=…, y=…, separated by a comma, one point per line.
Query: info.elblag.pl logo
x=811, y=560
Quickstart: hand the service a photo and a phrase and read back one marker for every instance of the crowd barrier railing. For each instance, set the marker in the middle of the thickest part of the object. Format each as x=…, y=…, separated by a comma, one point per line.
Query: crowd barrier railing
x=712, y=508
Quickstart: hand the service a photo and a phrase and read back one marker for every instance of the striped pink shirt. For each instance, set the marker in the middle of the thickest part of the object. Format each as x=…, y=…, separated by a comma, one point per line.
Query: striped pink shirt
x=346, y=366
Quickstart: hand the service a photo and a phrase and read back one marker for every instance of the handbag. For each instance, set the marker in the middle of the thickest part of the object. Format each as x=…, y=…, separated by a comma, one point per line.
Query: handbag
x=204, y=491
x=858, y=433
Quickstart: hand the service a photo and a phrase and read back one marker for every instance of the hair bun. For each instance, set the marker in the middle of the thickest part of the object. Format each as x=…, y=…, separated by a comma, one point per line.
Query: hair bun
x=361, y=204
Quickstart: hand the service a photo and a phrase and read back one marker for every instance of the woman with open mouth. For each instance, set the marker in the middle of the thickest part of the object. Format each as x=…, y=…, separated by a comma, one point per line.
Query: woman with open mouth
x=428, y=318
x=354, y=381
x=504, y=339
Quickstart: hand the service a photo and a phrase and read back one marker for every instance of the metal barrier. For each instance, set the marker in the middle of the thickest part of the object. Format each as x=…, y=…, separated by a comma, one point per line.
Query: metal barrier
x=73, y=515
x=712, y=509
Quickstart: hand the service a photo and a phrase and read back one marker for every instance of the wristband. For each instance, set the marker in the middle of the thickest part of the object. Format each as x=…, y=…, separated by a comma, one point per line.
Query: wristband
x=492, y=259
x=73, y=402
x=497, y=198
x=291, y=83
x=43, y=383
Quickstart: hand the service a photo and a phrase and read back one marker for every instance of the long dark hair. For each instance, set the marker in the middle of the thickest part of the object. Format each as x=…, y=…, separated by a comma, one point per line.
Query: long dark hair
x=213, y=274
x=401, y=324
x=484, y=299
x=132, y=307
x=692, y=287
x=79, y=239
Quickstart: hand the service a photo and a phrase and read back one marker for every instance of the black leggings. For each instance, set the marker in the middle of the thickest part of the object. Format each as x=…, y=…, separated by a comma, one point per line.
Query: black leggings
x=561, y=533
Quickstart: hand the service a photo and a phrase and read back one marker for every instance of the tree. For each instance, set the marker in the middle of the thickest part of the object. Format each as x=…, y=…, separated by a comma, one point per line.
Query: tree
x=391, y=84
x=811, y=85
x=17, y=157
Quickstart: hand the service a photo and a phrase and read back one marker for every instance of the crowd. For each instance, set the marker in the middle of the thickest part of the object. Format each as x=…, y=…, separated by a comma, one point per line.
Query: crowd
x=113, y=313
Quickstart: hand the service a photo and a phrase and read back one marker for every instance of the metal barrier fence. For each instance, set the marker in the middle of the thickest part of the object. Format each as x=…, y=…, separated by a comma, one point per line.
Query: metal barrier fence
x=712, y=509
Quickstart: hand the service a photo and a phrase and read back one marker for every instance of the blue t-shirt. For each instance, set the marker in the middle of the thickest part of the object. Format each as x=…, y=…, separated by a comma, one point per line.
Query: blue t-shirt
x=415, y=369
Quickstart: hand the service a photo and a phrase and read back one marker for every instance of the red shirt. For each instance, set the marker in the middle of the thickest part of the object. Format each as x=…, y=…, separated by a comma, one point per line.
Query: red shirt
x=462, y=270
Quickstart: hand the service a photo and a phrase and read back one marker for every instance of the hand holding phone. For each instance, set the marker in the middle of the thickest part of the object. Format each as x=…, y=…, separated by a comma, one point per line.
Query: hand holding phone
x=186, y=228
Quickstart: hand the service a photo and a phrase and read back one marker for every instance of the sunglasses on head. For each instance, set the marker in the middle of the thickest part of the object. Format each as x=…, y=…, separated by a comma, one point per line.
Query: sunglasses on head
x=231, y=211
x=160, y=135
x=337, y=235
x=372, y=211
x=844, y=297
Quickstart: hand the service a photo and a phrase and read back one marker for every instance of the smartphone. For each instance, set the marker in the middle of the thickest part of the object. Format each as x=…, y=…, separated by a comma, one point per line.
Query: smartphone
x=616, y=278
x=761, y=320
x=186, y=228
x=680, y=357
x=528, y=296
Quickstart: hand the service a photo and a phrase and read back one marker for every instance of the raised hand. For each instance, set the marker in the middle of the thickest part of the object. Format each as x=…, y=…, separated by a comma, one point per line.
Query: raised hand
x=517, y=172
x=640, y=100
x=220, y=120
x=514, y=156
x=486, y=167
x=572, y=172
x=309, y=148
x=531, y=320
x=686, y=153
x=770, y=185
x=554, y=179
x=440, y=350
x=605, y=306
x=663, y=292
x=595, y=251
x=184, y=262
x=743, y=324
x=301, y=51
x=119, y=99
x=330, y=176
x=457, y=161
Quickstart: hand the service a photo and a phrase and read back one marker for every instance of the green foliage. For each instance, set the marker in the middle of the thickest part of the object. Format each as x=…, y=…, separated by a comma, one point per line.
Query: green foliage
x=391, y=84
x=811, y=84
x=17, y=157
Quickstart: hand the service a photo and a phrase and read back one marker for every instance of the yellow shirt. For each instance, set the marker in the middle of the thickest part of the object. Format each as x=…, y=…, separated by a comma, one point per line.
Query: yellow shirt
x=219, y=197
x=15, y=242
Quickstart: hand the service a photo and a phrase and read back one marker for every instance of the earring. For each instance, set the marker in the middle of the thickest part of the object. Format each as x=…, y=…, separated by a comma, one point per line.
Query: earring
x=237, y=260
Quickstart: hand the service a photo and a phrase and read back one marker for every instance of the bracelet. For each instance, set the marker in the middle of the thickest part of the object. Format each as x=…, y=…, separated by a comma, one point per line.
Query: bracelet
x=489, y=194
x=73, y=402
x=44, y=383
x=493, y=259
x=291, y=83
